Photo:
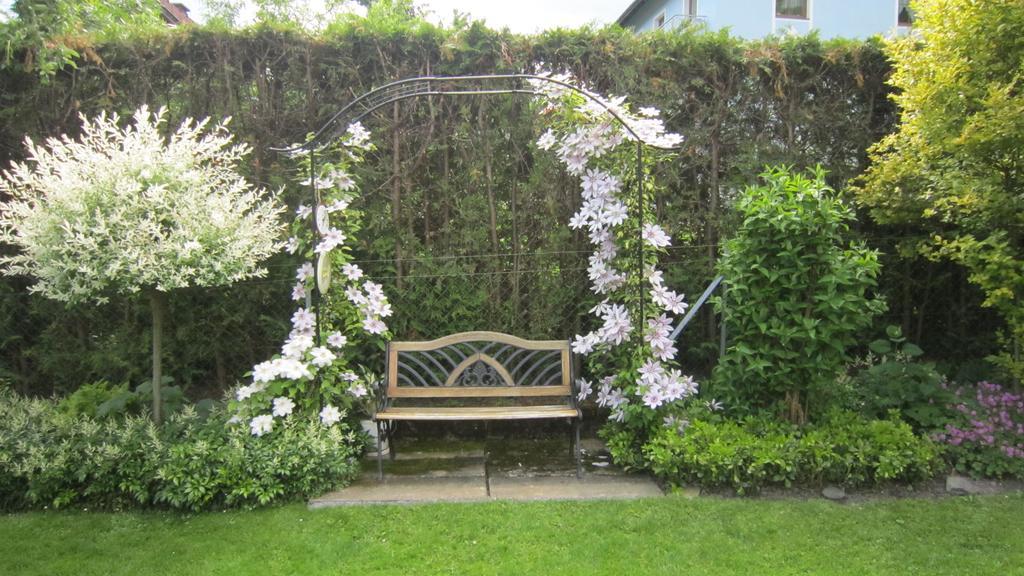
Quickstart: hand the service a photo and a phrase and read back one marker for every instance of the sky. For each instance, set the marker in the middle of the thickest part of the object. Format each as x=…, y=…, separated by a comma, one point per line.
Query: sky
x=524, y=16
x=532, y=15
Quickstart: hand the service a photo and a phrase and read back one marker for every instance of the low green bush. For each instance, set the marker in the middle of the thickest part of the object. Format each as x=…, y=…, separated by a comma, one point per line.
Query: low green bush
x=51, y=458
x=893, y=377
x=750, y=454
x=88, y=397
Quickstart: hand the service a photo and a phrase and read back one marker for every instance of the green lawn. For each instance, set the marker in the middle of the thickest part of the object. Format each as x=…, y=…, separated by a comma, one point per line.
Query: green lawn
x=962, y=536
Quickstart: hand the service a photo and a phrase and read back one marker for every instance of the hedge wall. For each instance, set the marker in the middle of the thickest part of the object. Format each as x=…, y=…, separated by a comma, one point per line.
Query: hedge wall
x=464, y=223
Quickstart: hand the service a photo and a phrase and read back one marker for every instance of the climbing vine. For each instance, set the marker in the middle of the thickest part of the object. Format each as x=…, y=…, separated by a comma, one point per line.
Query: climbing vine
x=613, y=151
x=313, y=370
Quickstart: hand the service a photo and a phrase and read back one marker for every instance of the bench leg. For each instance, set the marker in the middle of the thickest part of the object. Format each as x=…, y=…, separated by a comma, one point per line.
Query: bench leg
x=576, y=448
x=391, y=439
x=572, y=430
x=380, y=458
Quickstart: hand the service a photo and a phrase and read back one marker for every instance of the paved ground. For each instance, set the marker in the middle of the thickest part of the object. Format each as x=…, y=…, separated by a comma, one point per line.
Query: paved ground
x=498, y=469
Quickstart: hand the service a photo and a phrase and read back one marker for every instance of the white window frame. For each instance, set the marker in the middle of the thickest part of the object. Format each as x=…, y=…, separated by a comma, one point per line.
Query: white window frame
x=659, y=25
x=775, y=11
x=898, y=23
x=775, y=17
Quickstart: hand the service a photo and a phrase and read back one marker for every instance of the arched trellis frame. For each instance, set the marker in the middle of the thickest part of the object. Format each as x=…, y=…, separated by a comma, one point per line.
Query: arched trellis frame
x=474, y=85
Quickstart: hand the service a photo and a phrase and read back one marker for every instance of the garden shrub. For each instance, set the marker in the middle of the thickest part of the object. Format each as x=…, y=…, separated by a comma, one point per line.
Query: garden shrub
x=50, y=458
x=172, y=399
x=798, y=293
x=87, y=398
x=625, y=446
x=986, y=436
x=891, y=377
x=750, y=454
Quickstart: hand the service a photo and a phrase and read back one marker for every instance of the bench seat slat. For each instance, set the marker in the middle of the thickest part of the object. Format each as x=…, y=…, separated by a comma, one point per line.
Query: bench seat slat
x=478, y=413
x=476, y=391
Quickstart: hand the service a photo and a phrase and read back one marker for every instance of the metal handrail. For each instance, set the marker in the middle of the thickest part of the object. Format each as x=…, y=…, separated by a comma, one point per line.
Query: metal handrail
x=680, y=17
x=696, y=306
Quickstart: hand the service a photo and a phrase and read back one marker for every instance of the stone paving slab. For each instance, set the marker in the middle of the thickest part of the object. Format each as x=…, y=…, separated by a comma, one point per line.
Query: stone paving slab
x=458, y=467
x=424, y=489
x=525, y=469
x=396, y=490
x=586, y=488
x=438, y=455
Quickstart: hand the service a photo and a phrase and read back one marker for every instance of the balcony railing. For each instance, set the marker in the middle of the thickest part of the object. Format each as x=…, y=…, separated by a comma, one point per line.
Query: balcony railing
x=682, y=19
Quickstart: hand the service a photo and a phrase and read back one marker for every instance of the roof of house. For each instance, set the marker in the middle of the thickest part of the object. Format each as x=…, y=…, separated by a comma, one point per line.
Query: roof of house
x=174, y=13
x=621, y=21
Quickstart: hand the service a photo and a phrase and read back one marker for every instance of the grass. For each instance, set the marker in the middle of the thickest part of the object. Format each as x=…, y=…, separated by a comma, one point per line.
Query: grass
x=672, y=535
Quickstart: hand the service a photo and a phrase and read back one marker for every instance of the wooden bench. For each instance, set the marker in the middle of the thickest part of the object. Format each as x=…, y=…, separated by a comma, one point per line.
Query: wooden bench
x=477, y=376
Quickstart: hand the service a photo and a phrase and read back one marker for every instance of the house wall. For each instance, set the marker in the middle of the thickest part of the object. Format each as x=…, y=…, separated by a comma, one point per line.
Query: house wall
x=643, y=19
x=756, y=18
x=743, y=18
x=860, y=19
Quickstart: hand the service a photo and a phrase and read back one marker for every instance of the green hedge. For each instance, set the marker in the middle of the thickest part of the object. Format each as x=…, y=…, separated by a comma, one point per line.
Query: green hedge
x=52, y=459
x=845, y=449
x=452, y=178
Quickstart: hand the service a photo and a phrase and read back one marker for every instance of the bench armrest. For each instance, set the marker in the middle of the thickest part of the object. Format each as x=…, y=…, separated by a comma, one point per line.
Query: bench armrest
x=381, y=394
x=574, y=388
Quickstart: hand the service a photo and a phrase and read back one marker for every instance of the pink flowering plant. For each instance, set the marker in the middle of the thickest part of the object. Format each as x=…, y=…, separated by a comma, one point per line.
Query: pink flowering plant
x=986, y=436
x=313, y=372
x=630, y=347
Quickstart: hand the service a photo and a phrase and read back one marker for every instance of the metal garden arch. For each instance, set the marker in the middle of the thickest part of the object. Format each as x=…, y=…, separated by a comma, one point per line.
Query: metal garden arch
x=472, y=85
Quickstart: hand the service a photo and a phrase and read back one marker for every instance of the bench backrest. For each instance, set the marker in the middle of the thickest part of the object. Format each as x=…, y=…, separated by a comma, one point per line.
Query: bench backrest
x=478, y=364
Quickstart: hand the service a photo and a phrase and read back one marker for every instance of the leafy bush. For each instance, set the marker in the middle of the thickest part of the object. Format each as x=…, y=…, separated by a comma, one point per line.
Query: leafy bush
x=750, y=454
x=89, y=397
x=891, y=378
x=951, y=169
x=51, y=458
x=127, y=401
x=798, y=293
x=102, y=399
x=624, y=444
x=986, y=437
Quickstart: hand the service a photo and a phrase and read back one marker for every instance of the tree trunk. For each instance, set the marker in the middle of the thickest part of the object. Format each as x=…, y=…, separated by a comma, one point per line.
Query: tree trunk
x=446, y=194
x=310, y=89
x=492, y=208
x=221, y=369
x=711, y=222
x=908, y=306
x=795, y=411
x=515, y=254
x=157, y=299
x=923, y=307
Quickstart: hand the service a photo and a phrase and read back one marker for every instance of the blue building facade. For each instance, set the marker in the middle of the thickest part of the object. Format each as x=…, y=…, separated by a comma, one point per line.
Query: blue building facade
x=759, y=18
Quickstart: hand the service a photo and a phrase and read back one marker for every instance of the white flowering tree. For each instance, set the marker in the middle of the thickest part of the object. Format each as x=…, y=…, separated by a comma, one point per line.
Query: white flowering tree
x=126, y=210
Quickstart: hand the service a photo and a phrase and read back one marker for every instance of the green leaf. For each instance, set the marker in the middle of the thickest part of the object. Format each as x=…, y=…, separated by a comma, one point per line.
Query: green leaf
x=880, y=347
x=912, y=350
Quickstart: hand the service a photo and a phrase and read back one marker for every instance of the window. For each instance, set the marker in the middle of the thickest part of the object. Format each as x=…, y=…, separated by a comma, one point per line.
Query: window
x=659, y=20
x=905, y=15
x=791, y=8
